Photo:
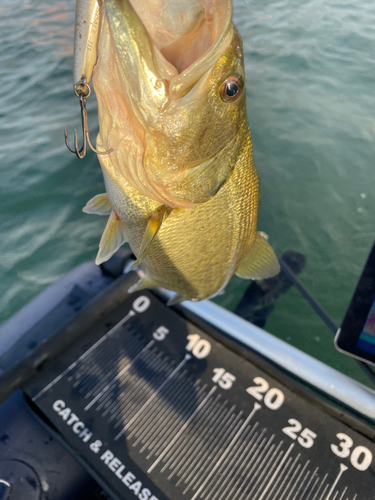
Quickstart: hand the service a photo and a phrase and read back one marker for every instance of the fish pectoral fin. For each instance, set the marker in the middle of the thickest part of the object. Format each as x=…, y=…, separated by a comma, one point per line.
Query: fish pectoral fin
x=113, y=237
x=261, y=262
x=99, y=205
x=144, y=282
x=152, y=229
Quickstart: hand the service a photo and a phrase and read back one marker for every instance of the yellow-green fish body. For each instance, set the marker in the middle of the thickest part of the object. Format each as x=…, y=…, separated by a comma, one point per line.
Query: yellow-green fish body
x=181, y=183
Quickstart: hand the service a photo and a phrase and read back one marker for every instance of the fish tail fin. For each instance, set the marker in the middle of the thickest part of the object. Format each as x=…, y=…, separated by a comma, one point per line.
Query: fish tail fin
x=261, y=262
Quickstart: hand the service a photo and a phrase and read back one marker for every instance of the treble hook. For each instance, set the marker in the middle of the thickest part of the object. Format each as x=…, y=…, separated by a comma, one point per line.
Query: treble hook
x=83, y=91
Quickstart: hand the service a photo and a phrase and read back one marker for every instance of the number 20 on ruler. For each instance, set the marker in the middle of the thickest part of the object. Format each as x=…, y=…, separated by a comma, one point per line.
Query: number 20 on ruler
x=273, y=398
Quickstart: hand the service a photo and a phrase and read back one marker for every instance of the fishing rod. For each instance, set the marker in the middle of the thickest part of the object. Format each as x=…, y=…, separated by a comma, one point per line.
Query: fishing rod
x=320, y=311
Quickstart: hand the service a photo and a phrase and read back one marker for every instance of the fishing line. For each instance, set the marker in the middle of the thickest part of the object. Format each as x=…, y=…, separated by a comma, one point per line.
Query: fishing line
x=261, y=18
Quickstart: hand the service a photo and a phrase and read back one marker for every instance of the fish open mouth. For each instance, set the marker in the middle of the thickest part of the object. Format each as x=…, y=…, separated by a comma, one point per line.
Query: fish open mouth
x=156, y=87
x=187, y=34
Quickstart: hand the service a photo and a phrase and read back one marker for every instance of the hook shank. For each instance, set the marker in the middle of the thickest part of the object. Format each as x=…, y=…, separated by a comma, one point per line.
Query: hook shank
x=83, y=91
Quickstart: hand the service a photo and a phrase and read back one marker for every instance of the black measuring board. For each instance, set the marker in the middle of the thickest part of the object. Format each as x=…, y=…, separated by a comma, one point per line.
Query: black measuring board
x=158, y=410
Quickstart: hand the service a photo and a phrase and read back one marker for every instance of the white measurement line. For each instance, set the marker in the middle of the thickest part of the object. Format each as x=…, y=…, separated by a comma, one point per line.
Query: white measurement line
x=236, y=460
x=156, y=392
x=286, y=470
x=355, y=496
x=181, y=448
x=252, y=473
x=298, y=479
x=165, y=416
x=155, y=447
x=324, y=491
x=334, y=498
x=303, y=480
x=132, y=348
x=308, y=484
x=270, y=464
x=190, y=443
x=343, y=468
x=133, y=341
x=95, y=372
x=111, y=403
x=85, y=354
x=114, y=406
x=259, y=451
x=136, y=390
x=321, y=484
x=246, y=452
x=277, y=470
x=257, y=407
x=220, y=445
x=291, y=480
x=220, y=441
x=196, y=461
x=171, y=443
x=286, y=489
x=311, y=491
x=259, y=471
x=139, y=392
x=343, y=493
x=119, y=375
x=274, y=464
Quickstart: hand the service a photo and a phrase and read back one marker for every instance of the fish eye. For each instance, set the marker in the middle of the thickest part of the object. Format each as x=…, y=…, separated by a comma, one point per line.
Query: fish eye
x=231, y=89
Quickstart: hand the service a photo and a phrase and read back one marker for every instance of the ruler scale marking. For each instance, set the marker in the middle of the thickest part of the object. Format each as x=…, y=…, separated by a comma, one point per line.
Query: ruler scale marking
x=257, y=407
x=159, y=443
x=170, y=419
x=119, y=375
x=134, y=341
x=177, y=457
x=303, y=480
x=128, y=379
x=194, y=477
x=277, y=470
x=248, y=450
x=319, y=488
x=229, y=416
x=297, y=481
x=274, y=464
x=235, y=460
x=84, y=355
x=133, y=345
x=162, y=412
x=264, y=469
x=156, y=392
x=160, y=457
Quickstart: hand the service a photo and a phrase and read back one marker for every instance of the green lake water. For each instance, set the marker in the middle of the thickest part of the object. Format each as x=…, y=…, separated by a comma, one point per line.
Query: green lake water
x=310, y=72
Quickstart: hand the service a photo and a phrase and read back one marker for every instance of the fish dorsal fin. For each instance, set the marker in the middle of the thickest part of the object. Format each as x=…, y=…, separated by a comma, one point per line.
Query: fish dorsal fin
x=153, y=226
x=99, y=205
x=113, y=237
x=261, y=262
x=144, y=282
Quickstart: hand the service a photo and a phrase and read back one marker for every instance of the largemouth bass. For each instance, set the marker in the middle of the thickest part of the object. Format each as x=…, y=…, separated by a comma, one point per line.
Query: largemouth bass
x=181, y=184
